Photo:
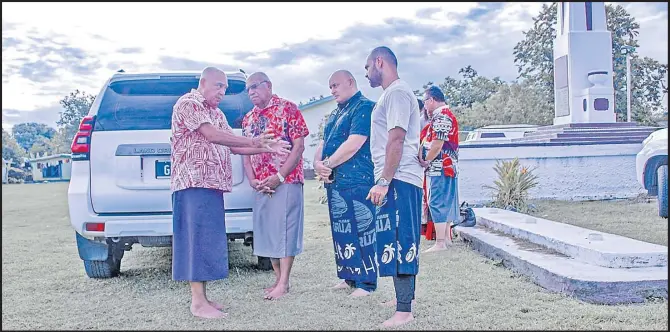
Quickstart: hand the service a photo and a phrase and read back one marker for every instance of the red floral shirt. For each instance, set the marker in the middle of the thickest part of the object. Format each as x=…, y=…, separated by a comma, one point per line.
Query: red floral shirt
x=197, y=163
x=283, y=118
x=443, y=126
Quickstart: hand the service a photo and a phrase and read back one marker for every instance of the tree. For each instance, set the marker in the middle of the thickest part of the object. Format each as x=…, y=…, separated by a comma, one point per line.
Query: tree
x=534, y=59
x=26, y=134
x=512, y=103
x=44, y=145
x=76, y=105
x=60, y=141
x=462, y=94
x=469, y=90
x=649, y=88
x=11, y=149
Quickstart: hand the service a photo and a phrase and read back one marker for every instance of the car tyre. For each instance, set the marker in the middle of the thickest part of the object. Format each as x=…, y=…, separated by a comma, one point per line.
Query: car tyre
x=109, y=268
x=264, y=263
x=662, y=177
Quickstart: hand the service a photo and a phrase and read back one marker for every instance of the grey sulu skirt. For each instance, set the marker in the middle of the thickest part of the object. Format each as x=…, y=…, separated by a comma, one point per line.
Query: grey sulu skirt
x=279, y=221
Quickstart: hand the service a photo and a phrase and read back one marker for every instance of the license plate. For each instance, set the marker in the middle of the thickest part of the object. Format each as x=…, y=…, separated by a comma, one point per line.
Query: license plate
x=163, y=169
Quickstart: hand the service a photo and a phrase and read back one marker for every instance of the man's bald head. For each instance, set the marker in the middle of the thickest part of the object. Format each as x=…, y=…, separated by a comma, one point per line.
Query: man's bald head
x=211, y=72
x=259, y=88
x=258, y=76
x=342, y=85
x=212, y=85
x=343, y=75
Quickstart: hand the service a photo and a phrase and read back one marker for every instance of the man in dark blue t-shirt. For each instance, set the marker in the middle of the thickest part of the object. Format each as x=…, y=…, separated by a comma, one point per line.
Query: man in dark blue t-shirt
x=344, y=163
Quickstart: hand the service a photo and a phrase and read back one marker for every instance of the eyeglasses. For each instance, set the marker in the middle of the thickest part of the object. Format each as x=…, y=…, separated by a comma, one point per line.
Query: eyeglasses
x=256, y=85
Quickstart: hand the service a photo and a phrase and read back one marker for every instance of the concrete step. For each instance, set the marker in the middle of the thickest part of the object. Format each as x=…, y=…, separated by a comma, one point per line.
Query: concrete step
x=625, y=139
x=594, y=130
x=560, y=273
x=592, y=247
x=642, y=135
x=591, y=135
x=591, y=125
x=578, y=141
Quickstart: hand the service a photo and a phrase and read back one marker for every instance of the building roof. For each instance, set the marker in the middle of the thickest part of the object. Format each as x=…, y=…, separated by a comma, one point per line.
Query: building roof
x=53, y=156
x=317, y=102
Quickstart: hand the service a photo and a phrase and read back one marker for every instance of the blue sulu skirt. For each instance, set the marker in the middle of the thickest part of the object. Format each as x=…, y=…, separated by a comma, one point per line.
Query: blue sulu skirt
x=443, y=199
x=199, y=240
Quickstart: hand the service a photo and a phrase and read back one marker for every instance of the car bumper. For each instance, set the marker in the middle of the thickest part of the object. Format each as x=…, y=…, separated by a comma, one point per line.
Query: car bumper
x=129, y=226
x=640, y=164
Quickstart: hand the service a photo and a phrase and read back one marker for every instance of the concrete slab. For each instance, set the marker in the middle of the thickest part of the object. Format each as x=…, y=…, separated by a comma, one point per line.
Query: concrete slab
x=559, y=273
x=593, y=247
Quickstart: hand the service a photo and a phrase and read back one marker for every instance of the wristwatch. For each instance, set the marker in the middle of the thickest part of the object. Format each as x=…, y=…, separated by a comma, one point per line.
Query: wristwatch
x=326, y=162
x=383, y=182
x=281, y=177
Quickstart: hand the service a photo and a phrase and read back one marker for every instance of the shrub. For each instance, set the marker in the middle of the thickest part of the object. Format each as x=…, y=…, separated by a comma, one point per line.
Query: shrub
x=16, y=175
x=510, y=190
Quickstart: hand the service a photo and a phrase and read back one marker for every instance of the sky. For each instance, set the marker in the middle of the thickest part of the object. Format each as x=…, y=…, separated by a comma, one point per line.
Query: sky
x=50, y=52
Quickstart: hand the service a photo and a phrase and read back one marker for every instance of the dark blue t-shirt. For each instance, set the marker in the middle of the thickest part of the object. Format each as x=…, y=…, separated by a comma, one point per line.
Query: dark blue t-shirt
x=352, y=117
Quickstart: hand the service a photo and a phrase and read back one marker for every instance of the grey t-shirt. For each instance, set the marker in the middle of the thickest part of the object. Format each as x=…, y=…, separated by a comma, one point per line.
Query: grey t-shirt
x=397, y=107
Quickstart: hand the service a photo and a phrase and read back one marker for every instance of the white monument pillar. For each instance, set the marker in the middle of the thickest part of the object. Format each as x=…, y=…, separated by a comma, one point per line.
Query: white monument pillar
x=583, y=80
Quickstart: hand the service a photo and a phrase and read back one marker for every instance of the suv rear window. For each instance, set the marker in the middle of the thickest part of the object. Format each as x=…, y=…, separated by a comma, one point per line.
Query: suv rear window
x=147, y=104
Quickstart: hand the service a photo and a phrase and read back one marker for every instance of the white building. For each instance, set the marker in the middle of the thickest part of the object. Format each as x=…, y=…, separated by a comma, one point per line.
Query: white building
x=314, y=112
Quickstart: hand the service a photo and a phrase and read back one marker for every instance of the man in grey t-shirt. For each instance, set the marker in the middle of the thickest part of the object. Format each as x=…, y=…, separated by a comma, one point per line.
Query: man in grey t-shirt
x=394, y=144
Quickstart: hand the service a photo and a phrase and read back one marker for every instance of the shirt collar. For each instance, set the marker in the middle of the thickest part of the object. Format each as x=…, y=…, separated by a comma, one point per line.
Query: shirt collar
x=198, y=96
x=274, y=101
x=439, y=110
x=353, y=98
x=201, y=99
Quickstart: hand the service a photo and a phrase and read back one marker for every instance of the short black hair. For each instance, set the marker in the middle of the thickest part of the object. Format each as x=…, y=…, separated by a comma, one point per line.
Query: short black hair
x=435, y=93
x=385, y=53
x=420, y=103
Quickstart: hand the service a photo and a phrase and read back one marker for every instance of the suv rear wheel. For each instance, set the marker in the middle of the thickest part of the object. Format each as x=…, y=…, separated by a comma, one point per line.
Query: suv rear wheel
x=109, y=268
x=264, y=263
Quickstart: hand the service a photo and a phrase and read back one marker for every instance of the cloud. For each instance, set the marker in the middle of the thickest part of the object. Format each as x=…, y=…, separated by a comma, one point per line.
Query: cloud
x=653, y=20
x=130, y=50
x=45, y=58
x=47, y=115
x=427, y=12
x=425, y=52
x=43, y=63
x=484, y=9
x=176, y=63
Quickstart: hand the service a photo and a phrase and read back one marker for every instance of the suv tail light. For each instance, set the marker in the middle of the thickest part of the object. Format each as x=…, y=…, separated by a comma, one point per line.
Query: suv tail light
x=81, y=142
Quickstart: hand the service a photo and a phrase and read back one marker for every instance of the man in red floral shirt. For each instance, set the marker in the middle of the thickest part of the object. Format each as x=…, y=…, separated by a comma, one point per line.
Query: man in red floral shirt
x=441, y=159
x=201, y=145
x=278, y=180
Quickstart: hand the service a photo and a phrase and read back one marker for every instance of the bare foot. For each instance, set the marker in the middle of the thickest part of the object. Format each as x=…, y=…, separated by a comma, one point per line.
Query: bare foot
x=271, y=288
x=216, y=305
x=342, y=285
x=392, y=303
x=359, y=293
x=279, y=291
x=436, y=247
x=399, y=318
x=207, y=311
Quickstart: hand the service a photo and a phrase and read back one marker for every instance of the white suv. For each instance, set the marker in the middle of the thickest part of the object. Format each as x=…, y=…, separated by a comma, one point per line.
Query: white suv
x=652, y=168
x=119, y=192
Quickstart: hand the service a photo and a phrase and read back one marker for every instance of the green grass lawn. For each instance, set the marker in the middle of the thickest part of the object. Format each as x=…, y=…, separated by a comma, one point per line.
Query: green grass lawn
x=44, y=285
